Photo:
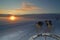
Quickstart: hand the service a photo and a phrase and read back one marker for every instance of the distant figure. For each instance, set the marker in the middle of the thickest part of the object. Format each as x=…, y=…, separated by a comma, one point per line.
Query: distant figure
x=48, y=22
x=49, y=25
x=39, y=25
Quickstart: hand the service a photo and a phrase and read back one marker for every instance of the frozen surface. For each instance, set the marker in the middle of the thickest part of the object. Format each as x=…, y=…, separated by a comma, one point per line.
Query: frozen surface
x=23, y=29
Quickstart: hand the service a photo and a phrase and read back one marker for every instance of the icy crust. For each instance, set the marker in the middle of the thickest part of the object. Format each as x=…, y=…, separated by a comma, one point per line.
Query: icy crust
x=45, y=34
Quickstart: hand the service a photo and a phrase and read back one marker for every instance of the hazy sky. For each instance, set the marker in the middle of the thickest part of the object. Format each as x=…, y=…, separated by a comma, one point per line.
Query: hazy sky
x=29, y=6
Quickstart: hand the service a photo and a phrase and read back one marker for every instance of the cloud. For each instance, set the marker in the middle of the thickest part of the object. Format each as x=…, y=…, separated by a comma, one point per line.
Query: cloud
x=2, y=11
x=25, y=9
x=29, y=8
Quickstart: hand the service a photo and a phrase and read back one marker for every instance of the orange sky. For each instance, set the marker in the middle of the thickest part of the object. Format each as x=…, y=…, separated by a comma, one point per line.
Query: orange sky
x=26, y=8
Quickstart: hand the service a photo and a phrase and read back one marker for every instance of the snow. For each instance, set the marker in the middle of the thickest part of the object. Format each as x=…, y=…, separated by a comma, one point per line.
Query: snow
x=23, y=29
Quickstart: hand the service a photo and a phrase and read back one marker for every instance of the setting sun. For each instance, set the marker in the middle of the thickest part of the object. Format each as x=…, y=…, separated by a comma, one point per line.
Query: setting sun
x=12, y=18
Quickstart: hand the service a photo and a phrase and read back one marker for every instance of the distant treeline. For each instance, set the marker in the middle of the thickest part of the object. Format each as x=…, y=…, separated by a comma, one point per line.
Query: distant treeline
x=37, y=16
x=7, y=15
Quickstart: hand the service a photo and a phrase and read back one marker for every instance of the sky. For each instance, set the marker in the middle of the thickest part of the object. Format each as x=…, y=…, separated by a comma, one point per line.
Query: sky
x=29, y=6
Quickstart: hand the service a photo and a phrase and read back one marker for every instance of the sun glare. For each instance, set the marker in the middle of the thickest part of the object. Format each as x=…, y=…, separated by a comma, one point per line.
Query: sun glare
x=12, y=18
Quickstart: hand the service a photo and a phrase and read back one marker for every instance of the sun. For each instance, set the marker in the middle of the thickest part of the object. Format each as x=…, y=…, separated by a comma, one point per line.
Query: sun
x=12, y=18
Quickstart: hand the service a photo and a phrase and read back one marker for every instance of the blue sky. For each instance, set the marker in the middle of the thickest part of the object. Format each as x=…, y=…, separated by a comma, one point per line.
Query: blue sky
x=49, y=6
